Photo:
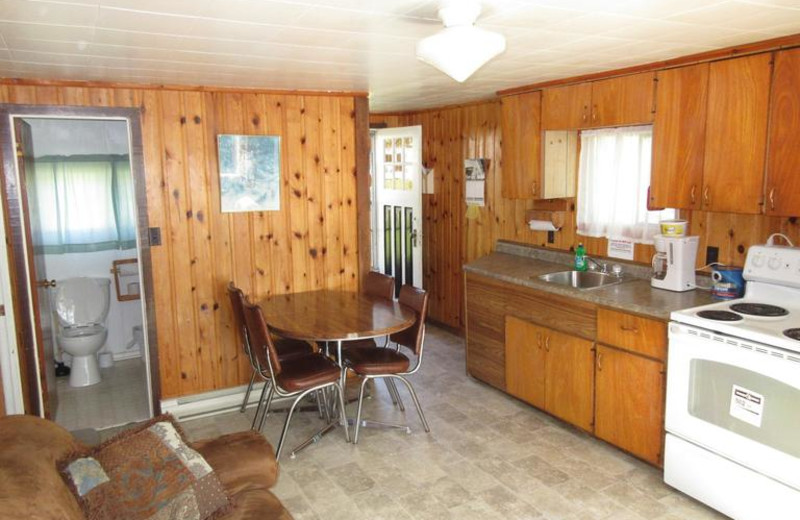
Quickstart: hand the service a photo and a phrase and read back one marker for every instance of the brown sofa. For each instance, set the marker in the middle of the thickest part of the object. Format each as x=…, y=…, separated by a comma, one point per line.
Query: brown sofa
x=31, y=487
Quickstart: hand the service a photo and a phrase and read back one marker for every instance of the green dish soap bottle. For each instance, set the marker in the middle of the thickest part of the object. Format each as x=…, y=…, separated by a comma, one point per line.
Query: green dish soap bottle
x=580, y=258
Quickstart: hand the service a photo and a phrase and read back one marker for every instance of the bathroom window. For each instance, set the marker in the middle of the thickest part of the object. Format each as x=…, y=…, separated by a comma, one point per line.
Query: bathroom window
x=84, y=203
x=613, y=177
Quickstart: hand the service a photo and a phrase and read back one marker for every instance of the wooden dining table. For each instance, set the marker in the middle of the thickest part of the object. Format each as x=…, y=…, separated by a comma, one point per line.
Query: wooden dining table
x=330, y=316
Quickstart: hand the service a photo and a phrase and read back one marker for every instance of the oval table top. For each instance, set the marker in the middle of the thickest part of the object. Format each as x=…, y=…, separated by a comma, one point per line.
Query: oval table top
x=330, y=315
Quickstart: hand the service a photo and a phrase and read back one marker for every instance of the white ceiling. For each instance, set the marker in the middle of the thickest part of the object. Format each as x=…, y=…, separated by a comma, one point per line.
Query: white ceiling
x=362, y=45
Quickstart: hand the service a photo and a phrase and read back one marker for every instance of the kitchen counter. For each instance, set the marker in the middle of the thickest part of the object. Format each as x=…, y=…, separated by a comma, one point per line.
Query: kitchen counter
x=522, y=265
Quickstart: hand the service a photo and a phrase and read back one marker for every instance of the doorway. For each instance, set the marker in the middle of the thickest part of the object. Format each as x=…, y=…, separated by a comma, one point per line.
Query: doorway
x=77, y=225
x=397, y=204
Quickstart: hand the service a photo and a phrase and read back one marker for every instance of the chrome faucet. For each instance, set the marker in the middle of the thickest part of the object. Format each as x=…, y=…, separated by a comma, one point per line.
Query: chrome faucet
x=602, y=266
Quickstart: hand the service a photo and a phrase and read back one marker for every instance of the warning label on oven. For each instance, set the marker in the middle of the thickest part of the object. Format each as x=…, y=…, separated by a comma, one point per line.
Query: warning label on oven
x=747, y=405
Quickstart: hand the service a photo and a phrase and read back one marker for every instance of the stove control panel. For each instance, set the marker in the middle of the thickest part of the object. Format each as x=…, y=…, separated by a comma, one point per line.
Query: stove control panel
x=773, y=264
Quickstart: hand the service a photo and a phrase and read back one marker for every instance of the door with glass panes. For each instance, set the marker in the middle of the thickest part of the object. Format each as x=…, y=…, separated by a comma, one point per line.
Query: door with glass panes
x=397, y=207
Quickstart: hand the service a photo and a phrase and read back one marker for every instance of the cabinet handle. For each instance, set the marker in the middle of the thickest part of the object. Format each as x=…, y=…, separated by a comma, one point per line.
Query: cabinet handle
x=594, y=113
x=599, y=361
x=772, y=198
x=547, y=343
x=705, y=196
x=585, y=109
x=533, y=188
x=633, y=329
x=539, y=339
x=692, y=194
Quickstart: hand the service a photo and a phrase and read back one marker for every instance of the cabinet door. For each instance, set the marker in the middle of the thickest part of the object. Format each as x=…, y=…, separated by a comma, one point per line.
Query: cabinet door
x=484, y=329
x=565, y=108
x=569, y=379
x=783, y=162
x=525, y=361
x=630, y=402
x=520, y=121
x=627, y=100
x=679, y=134
x=560, y=150
x=736, y=134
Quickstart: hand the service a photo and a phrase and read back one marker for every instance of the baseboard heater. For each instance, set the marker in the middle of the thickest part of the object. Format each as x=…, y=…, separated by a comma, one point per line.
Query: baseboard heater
x=212, y=403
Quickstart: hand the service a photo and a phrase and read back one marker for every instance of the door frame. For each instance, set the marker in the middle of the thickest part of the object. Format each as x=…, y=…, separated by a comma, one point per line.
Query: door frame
x=17, y=268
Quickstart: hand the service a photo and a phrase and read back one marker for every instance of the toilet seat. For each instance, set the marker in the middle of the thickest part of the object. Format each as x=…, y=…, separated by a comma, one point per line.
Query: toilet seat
x=80, y=331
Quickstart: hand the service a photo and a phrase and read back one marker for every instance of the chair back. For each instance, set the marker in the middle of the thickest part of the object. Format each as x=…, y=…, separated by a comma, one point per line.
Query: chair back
x=237, y=304
x=261, y=340
x=413, y=336
x=379, y=285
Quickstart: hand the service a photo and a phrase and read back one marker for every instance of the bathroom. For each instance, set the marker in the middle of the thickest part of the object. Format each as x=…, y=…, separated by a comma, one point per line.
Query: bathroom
x=82, y=207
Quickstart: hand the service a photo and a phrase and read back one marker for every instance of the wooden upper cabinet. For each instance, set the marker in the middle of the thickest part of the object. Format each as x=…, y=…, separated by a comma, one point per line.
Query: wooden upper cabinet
x=736, y=134
x=783, y=162
x=564, y=108
x=626, y=100
x=679, y=133
x=522, y=144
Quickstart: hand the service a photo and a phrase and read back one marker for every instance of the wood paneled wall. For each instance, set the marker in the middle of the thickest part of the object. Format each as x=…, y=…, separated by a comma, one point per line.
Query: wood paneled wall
x=311, y=243
x=452, y=238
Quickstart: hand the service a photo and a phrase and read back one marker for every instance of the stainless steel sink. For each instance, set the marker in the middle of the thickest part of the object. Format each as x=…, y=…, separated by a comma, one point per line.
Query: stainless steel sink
x=581, y=279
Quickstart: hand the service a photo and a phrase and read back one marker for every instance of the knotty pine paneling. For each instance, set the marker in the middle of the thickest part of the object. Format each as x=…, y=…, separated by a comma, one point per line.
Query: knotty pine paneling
x=311, y=243
x=450, y=239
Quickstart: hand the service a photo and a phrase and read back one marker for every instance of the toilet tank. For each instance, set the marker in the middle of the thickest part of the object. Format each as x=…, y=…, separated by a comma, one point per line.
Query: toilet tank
x=81, y=301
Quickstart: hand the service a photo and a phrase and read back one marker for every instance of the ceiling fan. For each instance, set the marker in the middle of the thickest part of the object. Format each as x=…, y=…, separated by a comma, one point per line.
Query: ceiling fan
x=460, y=48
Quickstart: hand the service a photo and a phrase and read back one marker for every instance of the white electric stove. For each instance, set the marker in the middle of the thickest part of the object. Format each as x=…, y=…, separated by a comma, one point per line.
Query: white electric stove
x=733, y=394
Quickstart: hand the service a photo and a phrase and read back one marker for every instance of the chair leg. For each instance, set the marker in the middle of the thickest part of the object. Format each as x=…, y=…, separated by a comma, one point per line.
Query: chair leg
x=260, y=404
x=394, y=393
x=247, y=392
x=360, y=404
x=264, y=414
x=416, y=401
x=342, y=415
x=319, y=404
x=286, y=425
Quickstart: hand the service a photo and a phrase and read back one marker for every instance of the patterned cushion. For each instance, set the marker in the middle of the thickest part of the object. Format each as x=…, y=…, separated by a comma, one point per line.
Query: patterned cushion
x=146, y=473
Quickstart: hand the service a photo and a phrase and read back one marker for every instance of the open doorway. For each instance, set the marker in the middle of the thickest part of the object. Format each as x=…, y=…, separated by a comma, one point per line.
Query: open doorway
x=396, y=210
x=80, y=264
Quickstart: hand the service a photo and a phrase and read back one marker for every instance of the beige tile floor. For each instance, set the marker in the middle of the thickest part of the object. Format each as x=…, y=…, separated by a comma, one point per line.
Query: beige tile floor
x=488, y=456
x=120, y=398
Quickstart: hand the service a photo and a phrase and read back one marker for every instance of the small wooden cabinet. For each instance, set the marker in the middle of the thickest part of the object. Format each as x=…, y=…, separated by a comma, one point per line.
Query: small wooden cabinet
x=551, y=370
x=522, y=141
x=736, y=134
x=679, y=133
x=783, y=162
x=560, y=151
x=625, y=100
x=630, y=383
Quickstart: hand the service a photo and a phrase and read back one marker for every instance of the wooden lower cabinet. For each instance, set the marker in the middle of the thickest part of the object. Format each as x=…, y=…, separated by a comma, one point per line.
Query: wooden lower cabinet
x=551, y=370
x=629, y=402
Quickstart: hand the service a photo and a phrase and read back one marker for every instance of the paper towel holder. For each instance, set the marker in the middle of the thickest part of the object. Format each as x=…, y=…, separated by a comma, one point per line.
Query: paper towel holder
x=556, y=217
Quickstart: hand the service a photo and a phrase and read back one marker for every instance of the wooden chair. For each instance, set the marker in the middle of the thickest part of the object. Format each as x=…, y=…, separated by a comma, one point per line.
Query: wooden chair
x=287, y=348
x=292, y=378
x=389, y=363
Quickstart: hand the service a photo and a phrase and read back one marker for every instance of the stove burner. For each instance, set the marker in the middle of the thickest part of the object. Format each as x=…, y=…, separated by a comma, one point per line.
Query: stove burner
x=792, y=334
x=720, y=315
x=759, y=309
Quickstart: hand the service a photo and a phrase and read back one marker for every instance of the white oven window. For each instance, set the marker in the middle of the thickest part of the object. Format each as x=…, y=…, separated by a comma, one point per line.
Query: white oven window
x=747, y=403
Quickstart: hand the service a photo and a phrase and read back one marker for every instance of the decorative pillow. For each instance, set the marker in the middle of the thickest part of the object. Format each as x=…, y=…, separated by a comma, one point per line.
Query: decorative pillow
x=145, y=473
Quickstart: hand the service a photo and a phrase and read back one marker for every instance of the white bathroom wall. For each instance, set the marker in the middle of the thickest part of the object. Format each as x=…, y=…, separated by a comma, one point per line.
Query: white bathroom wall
x=122, y=316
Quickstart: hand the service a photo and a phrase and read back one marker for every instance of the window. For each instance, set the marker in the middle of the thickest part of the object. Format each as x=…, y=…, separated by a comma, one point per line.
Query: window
x=83, y=203
x=613, y=178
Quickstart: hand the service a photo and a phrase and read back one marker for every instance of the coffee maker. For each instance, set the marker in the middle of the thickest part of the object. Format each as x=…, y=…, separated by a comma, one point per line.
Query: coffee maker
x=673, y=263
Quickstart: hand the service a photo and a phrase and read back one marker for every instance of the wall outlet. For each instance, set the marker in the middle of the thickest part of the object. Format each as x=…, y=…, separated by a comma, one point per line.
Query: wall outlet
x=155, y=236
x=551, y=237
x=712, y=254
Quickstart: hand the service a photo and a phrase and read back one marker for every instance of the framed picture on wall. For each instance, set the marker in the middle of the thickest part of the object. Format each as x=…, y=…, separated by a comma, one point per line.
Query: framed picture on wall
x=249, y=172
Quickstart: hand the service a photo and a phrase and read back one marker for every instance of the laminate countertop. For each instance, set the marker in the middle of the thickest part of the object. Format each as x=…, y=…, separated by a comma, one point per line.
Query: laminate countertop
x=634, y=295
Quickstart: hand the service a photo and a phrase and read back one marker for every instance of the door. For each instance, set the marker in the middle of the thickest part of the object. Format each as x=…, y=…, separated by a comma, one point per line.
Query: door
x=629, y=402
x=627, y=100
x=570, y=378
x=397, y=185
x=40, y=354
x=783, y=161
x=525, y=361
x=521, y=146
x=566, y=108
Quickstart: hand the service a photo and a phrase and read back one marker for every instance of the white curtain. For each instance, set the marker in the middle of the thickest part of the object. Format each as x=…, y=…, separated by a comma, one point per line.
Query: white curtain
x=83, y=204
x=613, y=178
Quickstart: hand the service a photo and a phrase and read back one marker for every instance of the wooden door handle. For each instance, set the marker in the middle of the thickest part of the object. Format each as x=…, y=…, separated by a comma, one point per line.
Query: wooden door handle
x=585, y=110
x=547, y=343
x=692, y=194
x=772, y=198
x=45, y=283
x=629, y=329
x=599, y=361
x=539, y=340
x=706, y=196
x=594, y=113
x=533, y=188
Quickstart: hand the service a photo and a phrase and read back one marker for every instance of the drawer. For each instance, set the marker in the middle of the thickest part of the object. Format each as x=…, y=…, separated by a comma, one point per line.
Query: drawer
x=635, y=333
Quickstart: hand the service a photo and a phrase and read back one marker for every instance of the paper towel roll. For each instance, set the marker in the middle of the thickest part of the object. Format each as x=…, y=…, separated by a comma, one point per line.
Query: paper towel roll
x=542, y=225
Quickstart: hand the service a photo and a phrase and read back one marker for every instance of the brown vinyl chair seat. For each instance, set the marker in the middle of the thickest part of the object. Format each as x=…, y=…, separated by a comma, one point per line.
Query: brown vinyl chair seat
x=371, y=361
x=304, y=372
x=289, y=349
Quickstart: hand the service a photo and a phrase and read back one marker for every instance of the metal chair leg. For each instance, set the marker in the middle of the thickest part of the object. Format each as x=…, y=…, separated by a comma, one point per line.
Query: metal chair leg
x=247, y=392
x=394, y=393
x=260, y=404
x=264, y=414
x=416, y=401
x=286, y=424
x=342, y=415
x=360, y=404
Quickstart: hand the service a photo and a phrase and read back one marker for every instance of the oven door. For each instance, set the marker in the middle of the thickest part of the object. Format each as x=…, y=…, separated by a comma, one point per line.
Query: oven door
x=736, y=398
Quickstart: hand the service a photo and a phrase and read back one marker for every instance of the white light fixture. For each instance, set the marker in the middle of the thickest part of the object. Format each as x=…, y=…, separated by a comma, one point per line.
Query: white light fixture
x=460, y=48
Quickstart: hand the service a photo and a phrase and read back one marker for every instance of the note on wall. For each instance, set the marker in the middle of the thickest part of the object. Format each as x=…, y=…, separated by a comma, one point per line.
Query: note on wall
x=622, y=249
x=475, y=172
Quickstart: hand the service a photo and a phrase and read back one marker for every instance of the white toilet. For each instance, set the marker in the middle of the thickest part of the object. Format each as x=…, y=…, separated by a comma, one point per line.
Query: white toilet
x=81, y=305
